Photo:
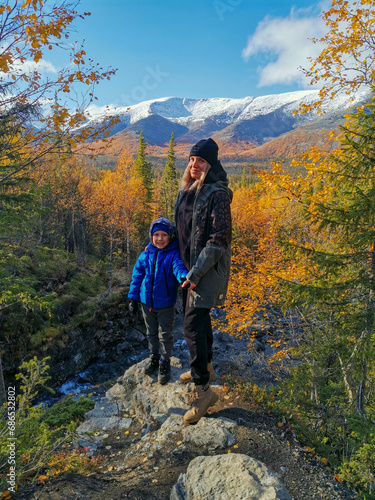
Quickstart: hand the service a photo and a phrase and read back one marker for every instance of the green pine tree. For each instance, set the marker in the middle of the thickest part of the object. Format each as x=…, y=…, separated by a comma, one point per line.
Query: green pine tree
x=339, y=302
x=143, y=168
x=169, y=181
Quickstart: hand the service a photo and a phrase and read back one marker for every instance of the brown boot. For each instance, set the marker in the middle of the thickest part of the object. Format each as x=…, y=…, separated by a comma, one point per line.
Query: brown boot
x=186, y=377
x=204, y=397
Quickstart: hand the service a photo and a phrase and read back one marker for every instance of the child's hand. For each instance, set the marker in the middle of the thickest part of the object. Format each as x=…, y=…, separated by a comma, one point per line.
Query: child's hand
x=133, y=306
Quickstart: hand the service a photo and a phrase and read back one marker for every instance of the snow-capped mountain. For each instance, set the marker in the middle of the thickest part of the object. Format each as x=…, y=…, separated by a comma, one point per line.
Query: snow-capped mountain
x=253, y=119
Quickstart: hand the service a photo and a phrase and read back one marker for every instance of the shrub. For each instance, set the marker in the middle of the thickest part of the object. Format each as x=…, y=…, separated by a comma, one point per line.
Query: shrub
x=43, y=434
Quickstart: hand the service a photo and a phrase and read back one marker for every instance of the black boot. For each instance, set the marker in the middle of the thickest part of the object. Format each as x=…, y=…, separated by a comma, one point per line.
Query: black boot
x=152, y=364
x=164, y=371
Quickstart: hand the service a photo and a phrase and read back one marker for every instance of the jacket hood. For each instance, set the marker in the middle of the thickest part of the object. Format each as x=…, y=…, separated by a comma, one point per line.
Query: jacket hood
x=216, y=173
x=218, y=186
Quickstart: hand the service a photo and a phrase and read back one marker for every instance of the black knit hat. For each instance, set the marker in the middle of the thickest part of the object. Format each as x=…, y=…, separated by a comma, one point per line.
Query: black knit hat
x=206, y=149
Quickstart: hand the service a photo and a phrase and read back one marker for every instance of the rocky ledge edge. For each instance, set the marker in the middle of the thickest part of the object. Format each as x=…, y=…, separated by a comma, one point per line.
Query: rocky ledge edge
x=159, y=412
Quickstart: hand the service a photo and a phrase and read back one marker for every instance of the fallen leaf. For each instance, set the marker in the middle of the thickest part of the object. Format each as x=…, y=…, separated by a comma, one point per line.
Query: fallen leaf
x=338, y=478
x=279, y=424
x=42, y=478
x=324, y=461
x=178, y=443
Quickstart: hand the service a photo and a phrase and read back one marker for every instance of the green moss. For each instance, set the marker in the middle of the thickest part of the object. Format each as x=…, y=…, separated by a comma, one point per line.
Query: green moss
x=67, y=410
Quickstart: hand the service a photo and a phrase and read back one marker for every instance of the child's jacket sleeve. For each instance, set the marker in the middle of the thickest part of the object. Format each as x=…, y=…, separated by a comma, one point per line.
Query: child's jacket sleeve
x=179, y=269
x=139, y=272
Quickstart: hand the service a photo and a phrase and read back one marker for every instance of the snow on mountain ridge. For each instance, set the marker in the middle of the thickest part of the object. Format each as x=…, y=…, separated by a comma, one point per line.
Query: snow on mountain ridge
x=252, y=118
x=184, y=110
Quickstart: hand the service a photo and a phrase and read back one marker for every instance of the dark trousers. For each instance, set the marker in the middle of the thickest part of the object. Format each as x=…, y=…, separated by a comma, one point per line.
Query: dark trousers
x=199, y=339
x=159, y=324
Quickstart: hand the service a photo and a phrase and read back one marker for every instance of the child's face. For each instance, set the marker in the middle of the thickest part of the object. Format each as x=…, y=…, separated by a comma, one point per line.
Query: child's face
x=160, y=239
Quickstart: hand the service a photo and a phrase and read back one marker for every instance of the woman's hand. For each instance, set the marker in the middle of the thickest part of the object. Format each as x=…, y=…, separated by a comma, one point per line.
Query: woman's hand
x=188, y=284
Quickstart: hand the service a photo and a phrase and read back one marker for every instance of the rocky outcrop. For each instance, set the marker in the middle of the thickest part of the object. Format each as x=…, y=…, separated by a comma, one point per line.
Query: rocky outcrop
x=159, y=411
x=227, y=477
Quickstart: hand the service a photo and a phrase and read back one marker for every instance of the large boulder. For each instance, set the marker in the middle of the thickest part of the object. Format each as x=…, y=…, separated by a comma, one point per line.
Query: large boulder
x=228, y=477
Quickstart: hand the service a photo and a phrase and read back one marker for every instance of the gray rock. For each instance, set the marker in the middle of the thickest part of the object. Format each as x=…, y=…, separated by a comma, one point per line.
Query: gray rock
x=210, y=434
x=150, y=400
x=228, y=477
x=104, y=416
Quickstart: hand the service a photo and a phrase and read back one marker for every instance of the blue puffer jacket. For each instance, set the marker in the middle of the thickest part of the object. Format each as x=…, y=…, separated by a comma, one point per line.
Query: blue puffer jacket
x=156, y=276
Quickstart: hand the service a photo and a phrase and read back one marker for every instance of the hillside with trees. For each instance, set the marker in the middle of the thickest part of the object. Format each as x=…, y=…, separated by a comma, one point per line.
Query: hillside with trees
x=303, y=241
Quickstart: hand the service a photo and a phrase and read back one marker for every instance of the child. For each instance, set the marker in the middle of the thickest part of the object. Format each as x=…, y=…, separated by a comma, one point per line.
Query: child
x=156, y=275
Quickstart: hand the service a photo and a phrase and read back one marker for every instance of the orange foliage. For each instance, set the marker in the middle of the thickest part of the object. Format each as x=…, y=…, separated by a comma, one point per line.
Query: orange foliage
x=346, y=62
x=117, y=201
x=28, y=31
x=262, y=218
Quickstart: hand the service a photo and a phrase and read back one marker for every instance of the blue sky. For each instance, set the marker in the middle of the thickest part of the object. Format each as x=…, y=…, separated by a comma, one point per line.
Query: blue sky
x=199, y=48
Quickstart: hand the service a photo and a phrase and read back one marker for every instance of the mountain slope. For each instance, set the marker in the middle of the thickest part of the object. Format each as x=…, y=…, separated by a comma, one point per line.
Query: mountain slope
x=248, y=127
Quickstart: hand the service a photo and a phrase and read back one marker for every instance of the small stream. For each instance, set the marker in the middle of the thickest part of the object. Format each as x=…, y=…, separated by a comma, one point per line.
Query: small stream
x=95, y=380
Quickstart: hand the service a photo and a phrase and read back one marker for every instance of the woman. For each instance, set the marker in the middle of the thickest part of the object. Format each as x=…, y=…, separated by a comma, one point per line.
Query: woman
x=204, y=228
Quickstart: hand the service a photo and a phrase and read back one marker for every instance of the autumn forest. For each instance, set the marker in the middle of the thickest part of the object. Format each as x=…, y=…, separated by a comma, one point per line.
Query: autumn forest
x=303, y=233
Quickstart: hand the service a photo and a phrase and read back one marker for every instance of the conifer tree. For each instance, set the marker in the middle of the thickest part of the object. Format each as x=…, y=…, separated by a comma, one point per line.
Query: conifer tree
x=169, y=181
x=338, y=302
x=143, y=168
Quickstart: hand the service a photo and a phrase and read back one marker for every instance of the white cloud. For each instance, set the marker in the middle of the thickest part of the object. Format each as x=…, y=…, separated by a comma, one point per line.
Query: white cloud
x=40, y=66
x=45, y=67
x=29, y=67
x=288, y=40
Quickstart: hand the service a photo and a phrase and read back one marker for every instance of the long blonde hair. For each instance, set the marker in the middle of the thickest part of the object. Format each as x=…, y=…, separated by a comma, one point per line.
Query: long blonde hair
x=188, y=183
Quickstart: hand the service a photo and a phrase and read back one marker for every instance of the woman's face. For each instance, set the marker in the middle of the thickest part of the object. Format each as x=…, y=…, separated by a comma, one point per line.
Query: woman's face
x=197, y=166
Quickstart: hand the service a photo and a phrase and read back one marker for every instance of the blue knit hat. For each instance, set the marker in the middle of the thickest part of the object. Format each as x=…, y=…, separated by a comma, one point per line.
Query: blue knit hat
x=163, y=224
x=160, y=227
